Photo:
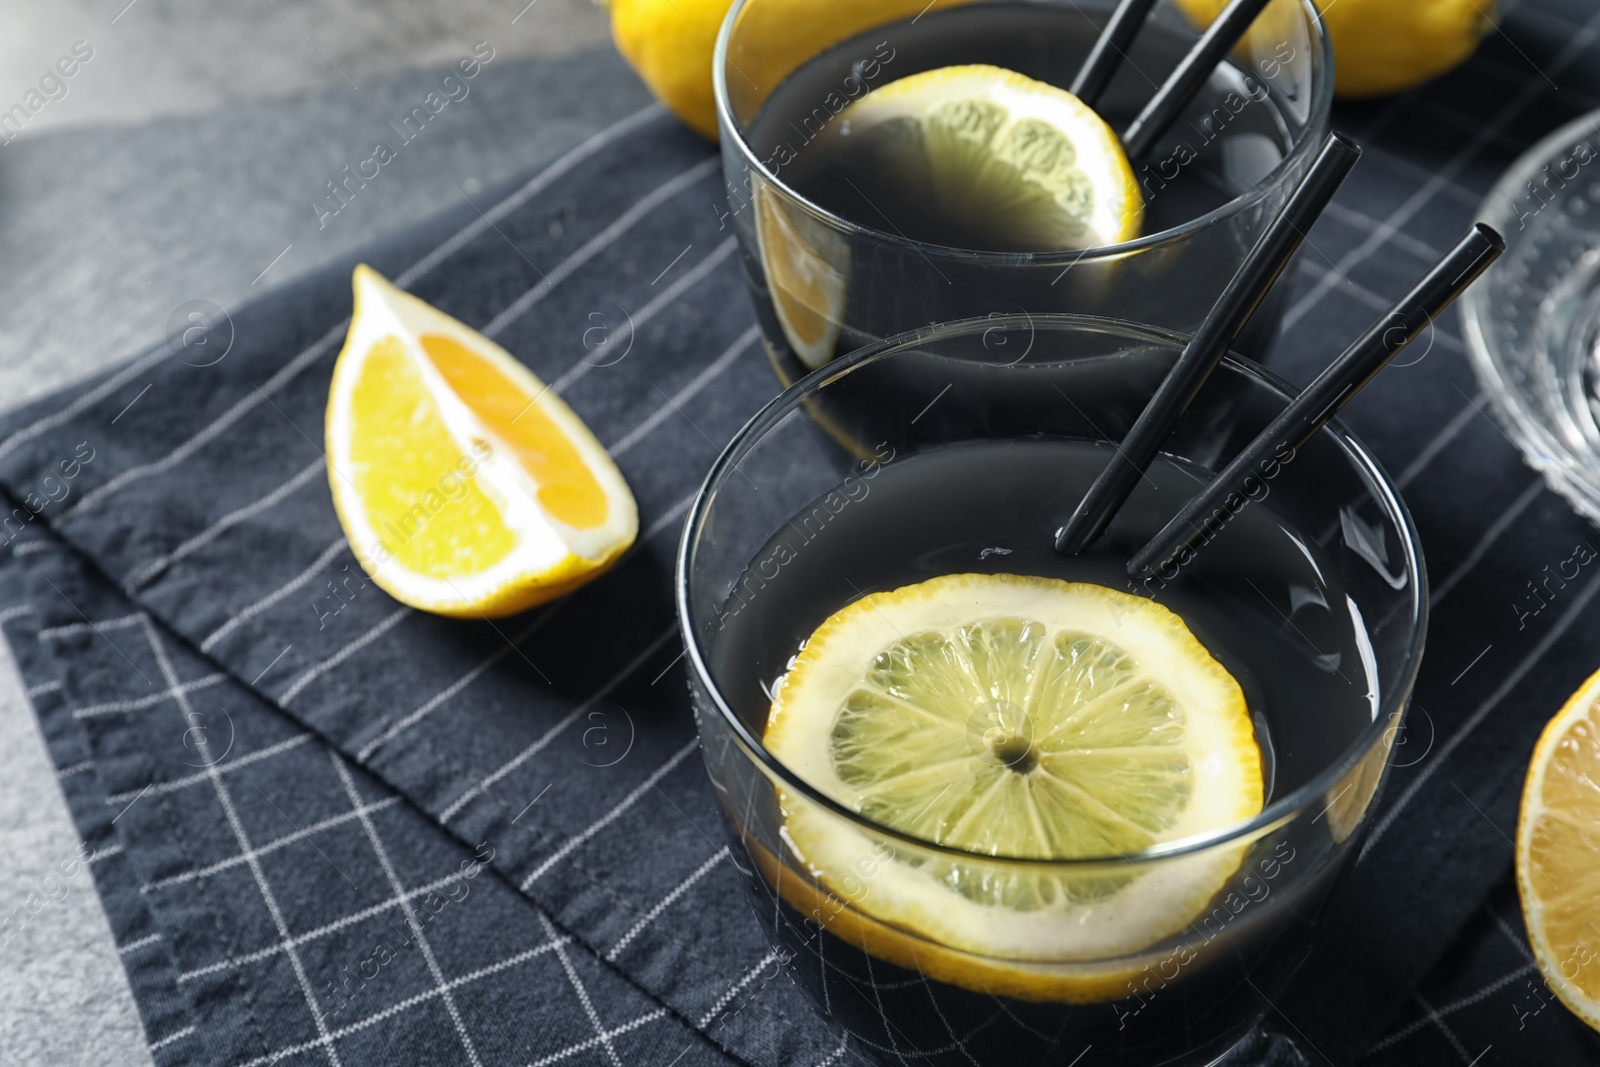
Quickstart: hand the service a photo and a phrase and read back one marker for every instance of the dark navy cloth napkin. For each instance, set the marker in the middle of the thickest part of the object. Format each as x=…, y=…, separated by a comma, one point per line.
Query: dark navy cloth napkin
x=330, y=829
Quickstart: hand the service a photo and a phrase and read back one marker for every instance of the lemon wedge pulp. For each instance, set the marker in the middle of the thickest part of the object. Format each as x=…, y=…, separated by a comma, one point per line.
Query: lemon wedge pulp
x=1016, y=717
x=1018, y=164
x=465, y=486
x=1558, y=853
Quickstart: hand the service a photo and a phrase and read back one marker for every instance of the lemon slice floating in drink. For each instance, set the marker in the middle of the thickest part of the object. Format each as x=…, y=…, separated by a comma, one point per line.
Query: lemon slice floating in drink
x=1558, y=853
x=1015, y=717
x=1025, y=165
x=1015, y=164
x=465, y=486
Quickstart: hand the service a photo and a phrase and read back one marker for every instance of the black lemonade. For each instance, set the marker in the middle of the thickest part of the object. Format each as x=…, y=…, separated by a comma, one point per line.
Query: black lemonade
x=1241, y=126
x=1265, y=604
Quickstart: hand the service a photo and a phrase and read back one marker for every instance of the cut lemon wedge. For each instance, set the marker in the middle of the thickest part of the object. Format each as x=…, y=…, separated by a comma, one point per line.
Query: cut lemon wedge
x=465, y=486
x=1012, y=163
x=1016, y=717
x=1558, y=853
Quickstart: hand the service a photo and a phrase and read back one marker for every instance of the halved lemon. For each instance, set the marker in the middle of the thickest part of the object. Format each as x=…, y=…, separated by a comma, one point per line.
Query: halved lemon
x=1558, y=853
x=1019, y=164
x=465, y=486
x=1015, y=717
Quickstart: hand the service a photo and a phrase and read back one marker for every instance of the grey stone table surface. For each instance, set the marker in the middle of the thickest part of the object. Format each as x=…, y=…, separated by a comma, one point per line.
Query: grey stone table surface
x=182, y=163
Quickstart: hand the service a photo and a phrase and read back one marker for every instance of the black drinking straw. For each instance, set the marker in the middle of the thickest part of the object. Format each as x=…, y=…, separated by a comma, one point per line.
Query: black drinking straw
x=1109, y=51
x=1184, y=82
x=1204, y=516
x=1210, y=343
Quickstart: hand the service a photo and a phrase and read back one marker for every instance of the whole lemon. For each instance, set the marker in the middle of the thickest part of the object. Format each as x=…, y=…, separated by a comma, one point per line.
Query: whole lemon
x=1385, y=46
x=671, y=44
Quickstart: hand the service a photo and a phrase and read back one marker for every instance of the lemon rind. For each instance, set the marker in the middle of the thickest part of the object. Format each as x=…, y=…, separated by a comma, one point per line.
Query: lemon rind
x=1038, y=981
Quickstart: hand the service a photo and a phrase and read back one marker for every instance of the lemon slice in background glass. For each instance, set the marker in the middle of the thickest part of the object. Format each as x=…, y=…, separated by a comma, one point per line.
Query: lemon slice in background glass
x=1016, y=717
x=1558, y=853
x=1018, y=164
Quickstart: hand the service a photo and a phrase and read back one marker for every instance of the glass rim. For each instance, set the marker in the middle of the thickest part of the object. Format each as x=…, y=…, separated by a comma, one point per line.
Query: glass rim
x=1280, y=812
x=1315, y=132
x=1520, y=415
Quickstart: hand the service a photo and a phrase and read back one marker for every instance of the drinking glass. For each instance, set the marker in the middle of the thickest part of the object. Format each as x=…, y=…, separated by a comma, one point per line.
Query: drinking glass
x=1531, y=325
x=825, y=283
x=1187, y=998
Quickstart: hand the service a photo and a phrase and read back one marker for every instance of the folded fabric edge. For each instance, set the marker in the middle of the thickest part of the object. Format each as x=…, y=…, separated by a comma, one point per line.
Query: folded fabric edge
x=645, y=955
x=14, y=573
x=165, y=1011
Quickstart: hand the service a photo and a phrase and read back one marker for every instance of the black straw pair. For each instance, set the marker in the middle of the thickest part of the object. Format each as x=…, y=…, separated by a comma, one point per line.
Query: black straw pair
x=1181, y=85
x=1307, y=413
